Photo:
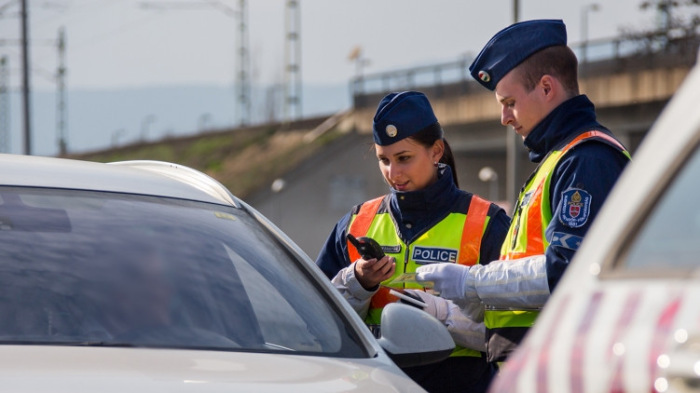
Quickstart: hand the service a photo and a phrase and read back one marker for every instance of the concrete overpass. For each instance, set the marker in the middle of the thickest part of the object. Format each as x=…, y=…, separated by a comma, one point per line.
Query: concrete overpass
x=629, y=90
x=629, y=83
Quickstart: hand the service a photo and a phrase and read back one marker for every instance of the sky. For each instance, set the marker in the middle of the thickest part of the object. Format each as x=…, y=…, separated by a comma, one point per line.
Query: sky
x=136, y=44
x=127, y=43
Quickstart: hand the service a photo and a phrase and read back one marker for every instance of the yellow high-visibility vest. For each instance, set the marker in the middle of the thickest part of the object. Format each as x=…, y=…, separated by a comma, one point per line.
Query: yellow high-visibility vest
x=456, y=238
x=526, y=235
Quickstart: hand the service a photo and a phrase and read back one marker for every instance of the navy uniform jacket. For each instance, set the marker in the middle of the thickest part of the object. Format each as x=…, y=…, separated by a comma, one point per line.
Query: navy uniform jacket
x=416, y=212
x=592, y=166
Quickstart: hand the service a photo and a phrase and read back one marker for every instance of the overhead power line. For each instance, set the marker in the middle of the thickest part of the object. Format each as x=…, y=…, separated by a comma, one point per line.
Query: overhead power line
x=242, y=52
x=4, y=105
x=292, y=70
x=61, y=118
x=243, y=65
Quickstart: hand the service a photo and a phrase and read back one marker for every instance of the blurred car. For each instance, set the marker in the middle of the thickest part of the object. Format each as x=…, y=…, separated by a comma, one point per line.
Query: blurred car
x=148, y=276
x=626, y=315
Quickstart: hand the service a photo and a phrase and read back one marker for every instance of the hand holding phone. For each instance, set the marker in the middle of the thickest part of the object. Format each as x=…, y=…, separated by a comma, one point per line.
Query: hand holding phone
x=367, y=247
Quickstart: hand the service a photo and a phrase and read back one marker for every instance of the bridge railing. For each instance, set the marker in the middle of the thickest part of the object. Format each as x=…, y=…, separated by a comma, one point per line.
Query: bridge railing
x=603, y=55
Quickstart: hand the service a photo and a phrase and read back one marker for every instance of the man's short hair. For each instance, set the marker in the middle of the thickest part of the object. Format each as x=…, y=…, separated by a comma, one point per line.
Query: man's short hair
x=558, y=61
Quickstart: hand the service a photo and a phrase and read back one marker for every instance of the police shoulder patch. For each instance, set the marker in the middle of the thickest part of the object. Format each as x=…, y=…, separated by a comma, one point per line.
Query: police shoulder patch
x=566, y=240
x=575, y=207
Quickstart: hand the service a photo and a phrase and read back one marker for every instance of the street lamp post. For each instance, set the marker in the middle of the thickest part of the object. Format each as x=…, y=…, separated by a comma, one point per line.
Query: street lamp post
x=277, y=186
x=26, y=101
x=489, y=175
x=513, y=143
x=116, y=135
x=358, y=57
x=145, y=124
x=203, y=121
x=584, y=29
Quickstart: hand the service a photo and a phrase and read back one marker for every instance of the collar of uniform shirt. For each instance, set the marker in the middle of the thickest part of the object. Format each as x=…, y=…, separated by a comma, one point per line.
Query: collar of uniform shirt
x=572, y=116
x=424, y=206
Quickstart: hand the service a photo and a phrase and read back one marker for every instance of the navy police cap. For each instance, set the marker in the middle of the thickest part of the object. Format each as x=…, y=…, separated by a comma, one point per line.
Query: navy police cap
x=400, y=115
x=510, y=46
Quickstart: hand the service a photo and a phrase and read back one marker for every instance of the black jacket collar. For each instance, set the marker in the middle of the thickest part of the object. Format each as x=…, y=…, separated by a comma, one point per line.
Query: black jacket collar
x=569, y=119
x=428, y=202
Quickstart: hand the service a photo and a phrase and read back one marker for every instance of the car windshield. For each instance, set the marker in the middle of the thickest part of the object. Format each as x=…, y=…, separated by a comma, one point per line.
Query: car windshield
x=105, y=269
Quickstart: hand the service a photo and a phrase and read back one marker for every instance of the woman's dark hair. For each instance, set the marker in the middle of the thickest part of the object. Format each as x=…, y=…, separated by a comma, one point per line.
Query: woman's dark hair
x=428, y=136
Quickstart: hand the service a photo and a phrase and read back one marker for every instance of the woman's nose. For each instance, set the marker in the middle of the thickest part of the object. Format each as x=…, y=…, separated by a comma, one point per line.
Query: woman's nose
x=392, y=171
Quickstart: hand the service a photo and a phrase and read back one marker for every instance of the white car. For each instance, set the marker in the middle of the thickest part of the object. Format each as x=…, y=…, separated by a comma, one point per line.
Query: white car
x=626, y=315
x=147, y=276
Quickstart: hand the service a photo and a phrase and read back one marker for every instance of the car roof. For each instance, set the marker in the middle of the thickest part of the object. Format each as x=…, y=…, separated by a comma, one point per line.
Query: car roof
x=132, y=177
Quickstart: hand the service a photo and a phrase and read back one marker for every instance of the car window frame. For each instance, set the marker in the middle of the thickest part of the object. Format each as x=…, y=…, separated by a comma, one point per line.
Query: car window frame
x=612, y=267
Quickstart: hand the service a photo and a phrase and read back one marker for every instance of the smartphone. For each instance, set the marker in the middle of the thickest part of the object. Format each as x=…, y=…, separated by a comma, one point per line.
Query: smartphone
x=408, y=299
x=367, y=247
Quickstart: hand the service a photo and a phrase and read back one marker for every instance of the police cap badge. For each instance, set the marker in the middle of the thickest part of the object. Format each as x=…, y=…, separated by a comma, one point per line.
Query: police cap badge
x=510, y=46
x=400, y=115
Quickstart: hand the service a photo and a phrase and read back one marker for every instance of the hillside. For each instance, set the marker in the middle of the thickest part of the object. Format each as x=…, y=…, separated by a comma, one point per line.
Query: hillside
x=245, y=159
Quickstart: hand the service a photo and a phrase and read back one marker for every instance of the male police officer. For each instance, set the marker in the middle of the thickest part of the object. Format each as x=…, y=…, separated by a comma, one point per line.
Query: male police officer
x=534, y=76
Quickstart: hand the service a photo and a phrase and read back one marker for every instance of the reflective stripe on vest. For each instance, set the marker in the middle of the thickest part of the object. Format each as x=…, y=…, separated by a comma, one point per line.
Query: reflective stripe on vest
x=526, y=235
x=457, y=238
x=360, y=225
x=516, y=318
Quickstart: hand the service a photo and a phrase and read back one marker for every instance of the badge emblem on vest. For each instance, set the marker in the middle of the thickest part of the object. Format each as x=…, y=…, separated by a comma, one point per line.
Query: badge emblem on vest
x=426, y=255
x=575, y=207
x=392, y=249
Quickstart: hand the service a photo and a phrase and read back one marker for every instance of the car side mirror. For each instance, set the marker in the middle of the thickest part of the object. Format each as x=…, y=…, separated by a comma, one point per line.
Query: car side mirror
x=411, y=337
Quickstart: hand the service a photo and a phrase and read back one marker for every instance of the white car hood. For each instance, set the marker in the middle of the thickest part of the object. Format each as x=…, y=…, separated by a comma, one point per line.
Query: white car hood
x=90, y=369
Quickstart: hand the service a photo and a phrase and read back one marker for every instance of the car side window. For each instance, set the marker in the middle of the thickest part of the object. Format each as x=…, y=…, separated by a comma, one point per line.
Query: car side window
x=669, y=238
x=279, y=321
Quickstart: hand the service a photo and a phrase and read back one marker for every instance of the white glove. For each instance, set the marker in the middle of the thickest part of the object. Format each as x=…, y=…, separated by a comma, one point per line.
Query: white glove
x=435, y=306
x=449, y=279
x=463, y=329
x=510, y=284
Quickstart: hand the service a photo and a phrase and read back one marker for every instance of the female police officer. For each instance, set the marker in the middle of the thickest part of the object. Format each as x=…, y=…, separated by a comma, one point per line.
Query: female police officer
x=424, y=219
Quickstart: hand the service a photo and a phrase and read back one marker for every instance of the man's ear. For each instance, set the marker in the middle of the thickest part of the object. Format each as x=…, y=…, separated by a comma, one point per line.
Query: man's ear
x=550, y=87
x=546, y=83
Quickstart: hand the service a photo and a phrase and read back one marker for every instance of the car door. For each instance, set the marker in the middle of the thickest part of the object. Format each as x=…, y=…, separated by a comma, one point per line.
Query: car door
x=656, y=278
x=626, y=316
